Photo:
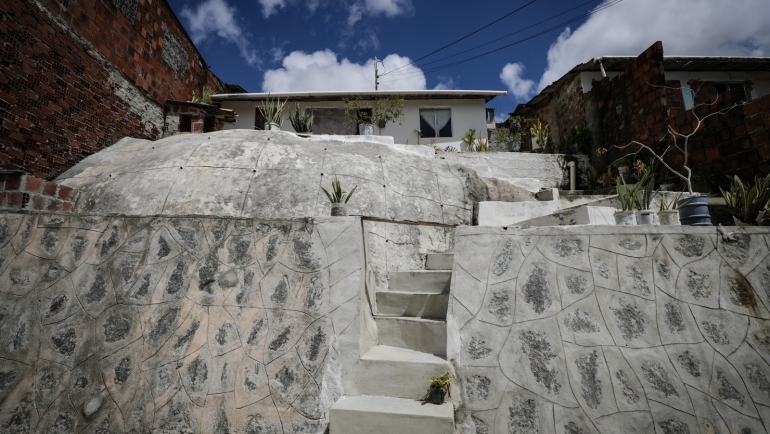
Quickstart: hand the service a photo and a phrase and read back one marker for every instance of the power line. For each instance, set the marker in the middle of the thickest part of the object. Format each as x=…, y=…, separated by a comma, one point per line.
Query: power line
x=516, y=32
x=449, y=65
x=466, y=36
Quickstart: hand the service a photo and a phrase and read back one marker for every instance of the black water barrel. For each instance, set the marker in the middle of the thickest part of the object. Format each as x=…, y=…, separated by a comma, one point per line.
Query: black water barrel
x=694, y=211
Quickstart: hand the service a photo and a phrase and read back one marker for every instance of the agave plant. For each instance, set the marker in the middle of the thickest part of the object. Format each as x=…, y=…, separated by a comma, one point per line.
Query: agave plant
x=540, y=131
x=301, y=120
x=480, y=145
x=338, y=195
x=205, y=96
x=745, y=201
x=628, y=197
x=271, y=110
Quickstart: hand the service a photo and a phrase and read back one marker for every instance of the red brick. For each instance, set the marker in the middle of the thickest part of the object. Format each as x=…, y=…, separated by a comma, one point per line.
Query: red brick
x=66, y=193
x=66, y=206
x=759, y=138
x=15, y=200
x=712, y=154
x=13, y=182
x=49, y=188
x=33, y=184
x=54, y=205
x=752, y=107
x=2, y=199
x=37, y=203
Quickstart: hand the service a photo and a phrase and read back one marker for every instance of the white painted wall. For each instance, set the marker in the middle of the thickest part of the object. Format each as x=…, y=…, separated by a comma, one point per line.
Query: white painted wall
x=466, y=114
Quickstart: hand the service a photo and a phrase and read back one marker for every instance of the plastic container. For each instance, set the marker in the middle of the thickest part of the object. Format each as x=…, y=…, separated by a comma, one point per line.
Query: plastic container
x=694, y=211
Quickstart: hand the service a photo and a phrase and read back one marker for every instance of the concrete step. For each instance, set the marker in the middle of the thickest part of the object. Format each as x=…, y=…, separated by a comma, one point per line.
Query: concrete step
x=412, y=304
x=581, y=215
x=418, y=334
x=398, y=372
x=385, y=415
x=439, y=261
x=432, y=281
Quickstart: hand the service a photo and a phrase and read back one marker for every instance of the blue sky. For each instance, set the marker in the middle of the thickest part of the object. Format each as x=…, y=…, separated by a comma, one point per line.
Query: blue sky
x=296, y=45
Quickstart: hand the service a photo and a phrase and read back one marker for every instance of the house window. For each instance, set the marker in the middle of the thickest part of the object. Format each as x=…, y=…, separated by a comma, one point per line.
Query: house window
x=436, y=122
x=490, y=115
x=185, y=123
x=724, y=87
x=259, y=120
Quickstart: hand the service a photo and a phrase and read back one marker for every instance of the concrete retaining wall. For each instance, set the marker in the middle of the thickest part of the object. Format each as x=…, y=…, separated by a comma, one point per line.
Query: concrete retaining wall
x=611, y=330
x=515, y=167
x=177, y=325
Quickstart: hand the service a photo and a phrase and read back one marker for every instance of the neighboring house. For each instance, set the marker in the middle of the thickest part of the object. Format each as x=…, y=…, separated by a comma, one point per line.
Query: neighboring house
x=443, y=116
x=620, y=99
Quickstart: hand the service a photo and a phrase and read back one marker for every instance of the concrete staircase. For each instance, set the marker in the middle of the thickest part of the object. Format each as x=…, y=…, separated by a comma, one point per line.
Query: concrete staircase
x=411, y=323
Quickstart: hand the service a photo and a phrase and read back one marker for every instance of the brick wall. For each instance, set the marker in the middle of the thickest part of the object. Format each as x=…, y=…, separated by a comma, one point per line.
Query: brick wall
x=78, y=75
x=733, y=143
x=566, y=109
x=632, y=105
x=20, y=191
x=198, y=119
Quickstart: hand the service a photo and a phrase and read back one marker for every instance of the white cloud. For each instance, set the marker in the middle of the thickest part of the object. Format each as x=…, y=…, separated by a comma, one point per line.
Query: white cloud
x=321, y=70
x=521, y=88
x=270, y=7
x=445, y=83
x=217, y=18
x=389, y=8
x=686, y=27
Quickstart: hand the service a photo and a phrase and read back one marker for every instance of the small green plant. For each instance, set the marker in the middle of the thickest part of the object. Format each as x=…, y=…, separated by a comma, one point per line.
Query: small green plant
x=628, y=196
x=746, y=201
x=338, y=195
x=205, y=96
x=383, y=111
x=670, y=205
x=438, y=388
x=540, y=132
x=645, y=174
x=302, y=120
x=469, y=138
x=271, y=110
x=418, y=133
x=480, y=145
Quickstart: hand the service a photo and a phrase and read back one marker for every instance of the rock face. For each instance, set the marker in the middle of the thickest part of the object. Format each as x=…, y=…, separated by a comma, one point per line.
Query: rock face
x=610, y=330
x=503, y=191
x=271, y=175
x=175, y=325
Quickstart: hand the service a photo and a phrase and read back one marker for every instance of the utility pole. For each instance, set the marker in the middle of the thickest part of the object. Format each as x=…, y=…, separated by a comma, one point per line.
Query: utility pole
x=376, y=75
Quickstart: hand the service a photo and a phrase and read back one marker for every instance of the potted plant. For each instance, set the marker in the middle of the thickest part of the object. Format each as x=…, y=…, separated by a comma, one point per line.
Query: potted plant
x=438, y=389
x=645, y=176
x=302, y=120
x=271, y=111
x=540, y=132
x=381, y=112
x=205, y=96
x=469, y=139
x=629, y=200
x=746, y=203
x=338, y=198
x=668, y=214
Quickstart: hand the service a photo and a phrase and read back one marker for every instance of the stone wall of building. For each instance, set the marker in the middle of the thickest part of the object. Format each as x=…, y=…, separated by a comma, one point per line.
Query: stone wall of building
x=564, y=111
x=176, y=325
x=78, y=75
x=611, y=330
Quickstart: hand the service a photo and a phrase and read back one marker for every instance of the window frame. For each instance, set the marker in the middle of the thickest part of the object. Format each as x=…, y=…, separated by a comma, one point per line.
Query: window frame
x=437, y=133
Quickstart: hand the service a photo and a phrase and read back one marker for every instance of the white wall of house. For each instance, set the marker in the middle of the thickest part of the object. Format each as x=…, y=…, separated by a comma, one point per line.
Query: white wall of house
x=466, y=114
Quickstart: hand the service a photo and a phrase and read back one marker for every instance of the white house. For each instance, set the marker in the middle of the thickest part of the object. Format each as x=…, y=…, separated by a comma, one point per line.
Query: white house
x=443, y=116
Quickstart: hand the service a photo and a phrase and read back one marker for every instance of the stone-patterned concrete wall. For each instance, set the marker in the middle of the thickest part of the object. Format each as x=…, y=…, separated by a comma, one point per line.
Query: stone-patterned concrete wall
x=611, y=330
x=178, y=325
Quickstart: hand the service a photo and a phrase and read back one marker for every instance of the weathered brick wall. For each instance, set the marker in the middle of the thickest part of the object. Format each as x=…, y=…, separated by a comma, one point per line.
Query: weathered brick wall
x=565, y=110
x=19, y=191
x=632, y=105
x=733, y=143
x=78, y=75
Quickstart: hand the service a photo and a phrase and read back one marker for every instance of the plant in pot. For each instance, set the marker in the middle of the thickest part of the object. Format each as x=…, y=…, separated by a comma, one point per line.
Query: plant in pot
x=204, y=97
x=380, y=113
x=272, y=111
x=693, y=209
x=438, y=388
x=540, y=132
x=748, y=204
x=302, y=120
x=647, y=192
x=629, y=200
x=338, y=197
x=668, y=215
